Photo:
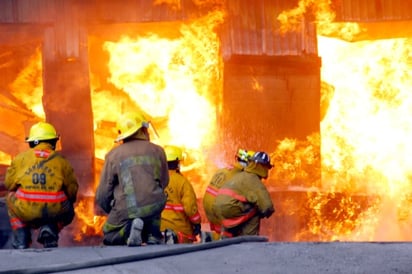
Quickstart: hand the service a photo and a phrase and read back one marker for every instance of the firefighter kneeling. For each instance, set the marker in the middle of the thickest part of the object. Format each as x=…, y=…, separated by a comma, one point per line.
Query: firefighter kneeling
x=219, y=178
x=244, y=200
x=180, y=217
x=42, y=189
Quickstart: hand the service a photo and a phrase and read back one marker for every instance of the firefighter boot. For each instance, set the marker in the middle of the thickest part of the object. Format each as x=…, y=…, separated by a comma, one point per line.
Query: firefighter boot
x=135, y=237
x=21, y=238
x=153, y=240
x=206, y=237
x=170, y=237
x=48, y=236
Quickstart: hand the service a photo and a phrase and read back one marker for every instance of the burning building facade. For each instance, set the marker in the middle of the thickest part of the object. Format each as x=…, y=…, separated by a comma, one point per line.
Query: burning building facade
x=235, y=46
x=212, y=76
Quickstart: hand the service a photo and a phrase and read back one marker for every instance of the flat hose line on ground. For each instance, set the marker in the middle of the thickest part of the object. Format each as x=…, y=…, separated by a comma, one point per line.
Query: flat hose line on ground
x=137, y=257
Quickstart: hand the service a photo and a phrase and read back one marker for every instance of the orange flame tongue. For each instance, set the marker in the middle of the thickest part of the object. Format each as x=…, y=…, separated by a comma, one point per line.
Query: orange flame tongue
x=366, y=131
x=175, y=80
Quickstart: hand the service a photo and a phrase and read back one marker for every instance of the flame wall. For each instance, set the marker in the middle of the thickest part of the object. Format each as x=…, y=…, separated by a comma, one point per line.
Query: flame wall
x=270, y=80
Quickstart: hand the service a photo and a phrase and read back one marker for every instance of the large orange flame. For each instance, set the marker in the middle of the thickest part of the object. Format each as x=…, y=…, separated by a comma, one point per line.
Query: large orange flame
x=362, y=190
x=365, y=133
x=175, y=80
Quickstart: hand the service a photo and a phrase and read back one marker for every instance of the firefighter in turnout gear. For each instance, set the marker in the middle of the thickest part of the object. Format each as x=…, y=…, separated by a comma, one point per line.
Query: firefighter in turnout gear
x=42, y=189
x=219, y=178
x=243, y=200
x=180, y=217
x=131, y=187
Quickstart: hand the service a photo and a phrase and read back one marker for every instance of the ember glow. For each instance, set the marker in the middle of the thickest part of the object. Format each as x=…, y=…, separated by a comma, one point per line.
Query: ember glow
x=4, y=158
x=86, y=222
x=28, y=86
x=365, y=145
x=175, y=81
x=366, y=132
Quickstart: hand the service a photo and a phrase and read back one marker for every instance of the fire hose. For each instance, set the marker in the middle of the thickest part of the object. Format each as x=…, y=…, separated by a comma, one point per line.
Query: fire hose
x=180, y=249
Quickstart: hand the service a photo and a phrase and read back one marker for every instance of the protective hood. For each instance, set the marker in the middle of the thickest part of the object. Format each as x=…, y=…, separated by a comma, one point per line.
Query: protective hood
x=239, y=165
x=258, y=169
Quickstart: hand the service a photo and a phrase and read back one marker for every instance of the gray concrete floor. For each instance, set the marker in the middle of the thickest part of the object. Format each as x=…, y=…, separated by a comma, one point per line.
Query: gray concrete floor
x=238, y=257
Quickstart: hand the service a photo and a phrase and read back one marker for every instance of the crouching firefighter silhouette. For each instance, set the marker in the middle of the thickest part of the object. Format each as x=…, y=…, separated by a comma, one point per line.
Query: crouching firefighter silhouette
x=180, y=217
x=42, y=190
x=244, y=200
x=131, y=187
x=242, y=158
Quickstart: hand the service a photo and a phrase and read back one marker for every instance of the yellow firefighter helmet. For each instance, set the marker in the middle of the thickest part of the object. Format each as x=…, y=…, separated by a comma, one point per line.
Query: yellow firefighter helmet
x=130, y=123
x=244, y=155
x=42, y=131
x=173, y=153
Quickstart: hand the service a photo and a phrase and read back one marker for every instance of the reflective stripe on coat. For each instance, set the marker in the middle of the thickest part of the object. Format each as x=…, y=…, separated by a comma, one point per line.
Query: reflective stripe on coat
x=40, y=182
x=181, y=210
x=240, y=198
x=218, y=179
x=132, y=181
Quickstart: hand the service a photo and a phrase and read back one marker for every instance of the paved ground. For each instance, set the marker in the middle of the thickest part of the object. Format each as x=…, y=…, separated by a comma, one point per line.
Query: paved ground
x=242, y=255
x=238, y=256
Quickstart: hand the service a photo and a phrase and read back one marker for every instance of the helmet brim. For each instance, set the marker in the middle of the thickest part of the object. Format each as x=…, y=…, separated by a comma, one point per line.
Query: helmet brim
x=125, y=135
x=28, y=140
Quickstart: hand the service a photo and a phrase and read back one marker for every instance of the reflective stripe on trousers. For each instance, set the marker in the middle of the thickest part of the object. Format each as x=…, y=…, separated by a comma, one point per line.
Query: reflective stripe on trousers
x=184, y=238
x=179, y=208
x=231, y=222
x=16, y=223
x=215, y=227
x=174, y=207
